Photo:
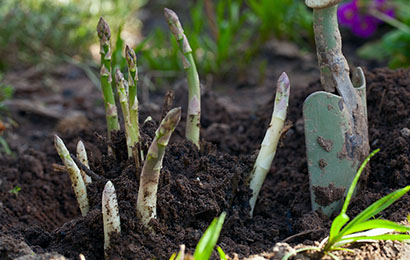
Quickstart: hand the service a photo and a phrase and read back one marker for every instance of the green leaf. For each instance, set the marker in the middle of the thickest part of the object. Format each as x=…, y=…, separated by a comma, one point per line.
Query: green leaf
x=376, y=207
x=373, y=50
x=337, y=224
x=208, y=240
x=5, y=146
x=396, y=237
x=15, y=190
x=221, y=253
x=173, y=256
x=377, y=223
x=356, y=179
x=334, y=257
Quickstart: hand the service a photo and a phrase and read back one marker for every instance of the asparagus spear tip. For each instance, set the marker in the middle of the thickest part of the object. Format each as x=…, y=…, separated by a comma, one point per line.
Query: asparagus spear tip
x=74, y=172
x=194, y=93
x=111, y=217
x=271, y=139
x=147, y=193
x=82, y=156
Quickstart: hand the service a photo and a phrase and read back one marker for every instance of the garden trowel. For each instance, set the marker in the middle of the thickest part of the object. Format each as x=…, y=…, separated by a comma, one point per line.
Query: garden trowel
x=335, y=125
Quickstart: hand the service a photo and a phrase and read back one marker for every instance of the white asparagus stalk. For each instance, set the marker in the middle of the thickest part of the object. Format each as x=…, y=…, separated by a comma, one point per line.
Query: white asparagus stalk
x=77, y=181
x=271, y=139
x=111, y=216
x=149, y=118
x=82, y=156
x=147, y=192
x=181, y=254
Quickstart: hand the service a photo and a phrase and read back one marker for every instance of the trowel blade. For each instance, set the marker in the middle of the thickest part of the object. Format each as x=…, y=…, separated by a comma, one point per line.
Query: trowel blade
x=331, y=171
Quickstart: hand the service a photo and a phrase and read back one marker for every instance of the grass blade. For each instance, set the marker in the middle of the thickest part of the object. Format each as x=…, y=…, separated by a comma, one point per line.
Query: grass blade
x=356, y=179
x=396, y=237
x=337, y=225
x=221, y=253
x=376, y=207
x=5, y=146
x=377, y=223
x=208, y=240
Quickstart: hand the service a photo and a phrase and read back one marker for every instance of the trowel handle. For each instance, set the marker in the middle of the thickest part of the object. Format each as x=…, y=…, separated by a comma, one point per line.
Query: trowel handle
x=334, y=69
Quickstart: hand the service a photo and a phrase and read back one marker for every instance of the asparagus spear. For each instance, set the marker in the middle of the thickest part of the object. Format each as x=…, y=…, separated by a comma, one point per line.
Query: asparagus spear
x=111, y=217
x=104, y=34
x=147, y=193
x=132, y=83
x=194, y=93
x=77, y=181
x=271, y=139
x=129, y=129
x=82, y=156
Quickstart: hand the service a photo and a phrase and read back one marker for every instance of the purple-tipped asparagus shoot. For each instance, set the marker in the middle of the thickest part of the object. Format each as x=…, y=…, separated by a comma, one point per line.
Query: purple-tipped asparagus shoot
x=271, y=139
x=147, y=193
x=77, y=181
x=194, y=92
x=111, y=216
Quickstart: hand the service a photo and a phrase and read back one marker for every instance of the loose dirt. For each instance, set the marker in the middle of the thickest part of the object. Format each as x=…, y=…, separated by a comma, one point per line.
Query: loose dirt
x=195, y=186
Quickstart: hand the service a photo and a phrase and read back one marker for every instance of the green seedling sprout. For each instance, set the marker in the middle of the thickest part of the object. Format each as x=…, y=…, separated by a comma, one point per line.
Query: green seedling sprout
x=5, y=146
x=271, y=139
x=147, y=193
x=77, y=181
x=180, y=255
x=364, y=227
x=82, y=156
x=111, y=216
x=15, y=190
x=194, y=92
x=130, y=132
x=207, y=242
x=104, y=34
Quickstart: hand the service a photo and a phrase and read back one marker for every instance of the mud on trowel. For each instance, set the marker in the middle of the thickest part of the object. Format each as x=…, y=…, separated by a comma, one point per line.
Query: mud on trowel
x=335, y=126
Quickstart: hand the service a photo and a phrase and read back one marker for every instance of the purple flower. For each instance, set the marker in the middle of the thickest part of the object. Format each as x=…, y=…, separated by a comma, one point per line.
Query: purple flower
x=347, y=13
x=358, y=15
x=364, y=26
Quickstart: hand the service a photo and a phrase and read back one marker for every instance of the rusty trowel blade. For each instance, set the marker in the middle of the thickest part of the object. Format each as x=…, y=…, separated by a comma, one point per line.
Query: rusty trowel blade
x=331, y=171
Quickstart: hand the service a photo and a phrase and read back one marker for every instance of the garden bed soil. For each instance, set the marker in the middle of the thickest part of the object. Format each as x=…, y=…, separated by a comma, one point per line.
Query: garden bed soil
x=195, y=186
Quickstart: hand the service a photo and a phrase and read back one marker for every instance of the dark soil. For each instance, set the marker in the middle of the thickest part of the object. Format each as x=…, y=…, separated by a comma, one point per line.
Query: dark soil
x=195, y=186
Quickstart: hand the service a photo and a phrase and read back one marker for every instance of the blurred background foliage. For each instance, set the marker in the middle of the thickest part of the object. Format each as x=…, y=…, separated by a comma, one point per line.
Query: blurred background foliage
x=225, y=35
x=45, y=32
x=394, y=45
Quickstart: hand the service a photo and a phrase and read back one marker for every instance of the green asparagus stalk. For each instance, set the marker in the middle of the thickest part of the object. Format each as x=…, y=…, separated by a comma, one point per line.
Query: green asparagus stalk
x=132, y=84
x=147, y=193
x=82, y=156
x=130, y=132
x=104, y=34
x=77, y=181
x=111, y=216
x=194, y=93
x=271, y=139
